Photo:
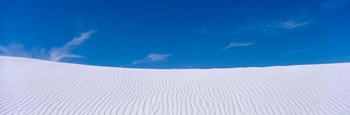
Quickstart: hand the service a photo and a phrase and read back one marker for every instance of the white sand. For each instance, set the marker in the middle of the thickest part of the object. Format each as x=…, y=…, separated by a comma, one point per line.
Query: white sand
x=36, y=87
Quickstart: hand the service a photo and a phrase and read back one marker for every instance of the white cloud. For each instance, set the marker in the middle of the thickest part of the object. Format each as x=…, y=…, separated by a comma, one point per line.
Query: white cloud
x=14, y=49
x=57, y=54
x=278, y=27
x=152, y=57
x=54, y=54
x=292, y=24
x=4, y=50
x=283, y=27
x=238, y=44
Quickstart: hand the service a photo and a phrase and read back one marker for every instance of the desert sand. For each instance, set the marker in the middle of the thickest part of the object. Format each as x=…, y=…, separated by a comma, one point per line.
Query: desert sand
x=37, y=87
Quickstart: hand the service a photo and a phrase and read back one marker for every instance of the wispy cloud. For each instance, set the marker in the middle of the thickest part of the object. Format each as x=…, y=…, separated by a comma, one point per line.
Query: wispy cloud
x=54, y=54
x=289, y=25
x=238, y=44
x=278, y=27
x=57, y=54
x=3, y=50
x=152, y=57
x=14, y=49
x=284, y=26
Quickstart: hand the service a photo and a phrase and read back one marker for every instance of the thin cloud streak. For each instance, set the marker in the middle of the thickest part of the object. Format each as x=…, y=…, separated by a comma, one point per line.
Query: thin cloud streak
x=278, y=27
x=284, y=27
x=4, y=50
x=238, y=44
x=57, y=54
x=152, y=57
x=289, y=25
x=54, y=54
x=14, y=49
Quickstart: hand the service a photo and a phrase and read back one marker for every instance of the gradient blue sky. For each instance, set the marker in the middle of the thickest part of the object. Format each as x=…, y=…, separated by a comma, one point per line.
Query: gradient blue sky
x=177, y=34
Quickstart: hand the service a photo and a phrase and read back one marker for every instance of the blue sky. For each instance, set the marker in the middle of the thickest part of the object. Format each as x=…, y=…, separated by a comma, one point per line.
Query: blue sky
x=177, y=34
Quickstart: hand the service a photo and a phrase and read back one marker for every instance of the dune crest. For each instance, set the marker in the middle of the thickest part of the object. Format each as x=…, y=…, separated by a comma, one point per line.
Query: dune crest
x=36, y=87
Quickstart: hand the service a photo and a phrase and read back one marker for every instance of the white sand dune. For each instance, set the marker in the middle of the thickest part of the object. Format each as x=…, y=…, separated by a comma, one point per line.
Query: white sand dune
x=36, y=87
